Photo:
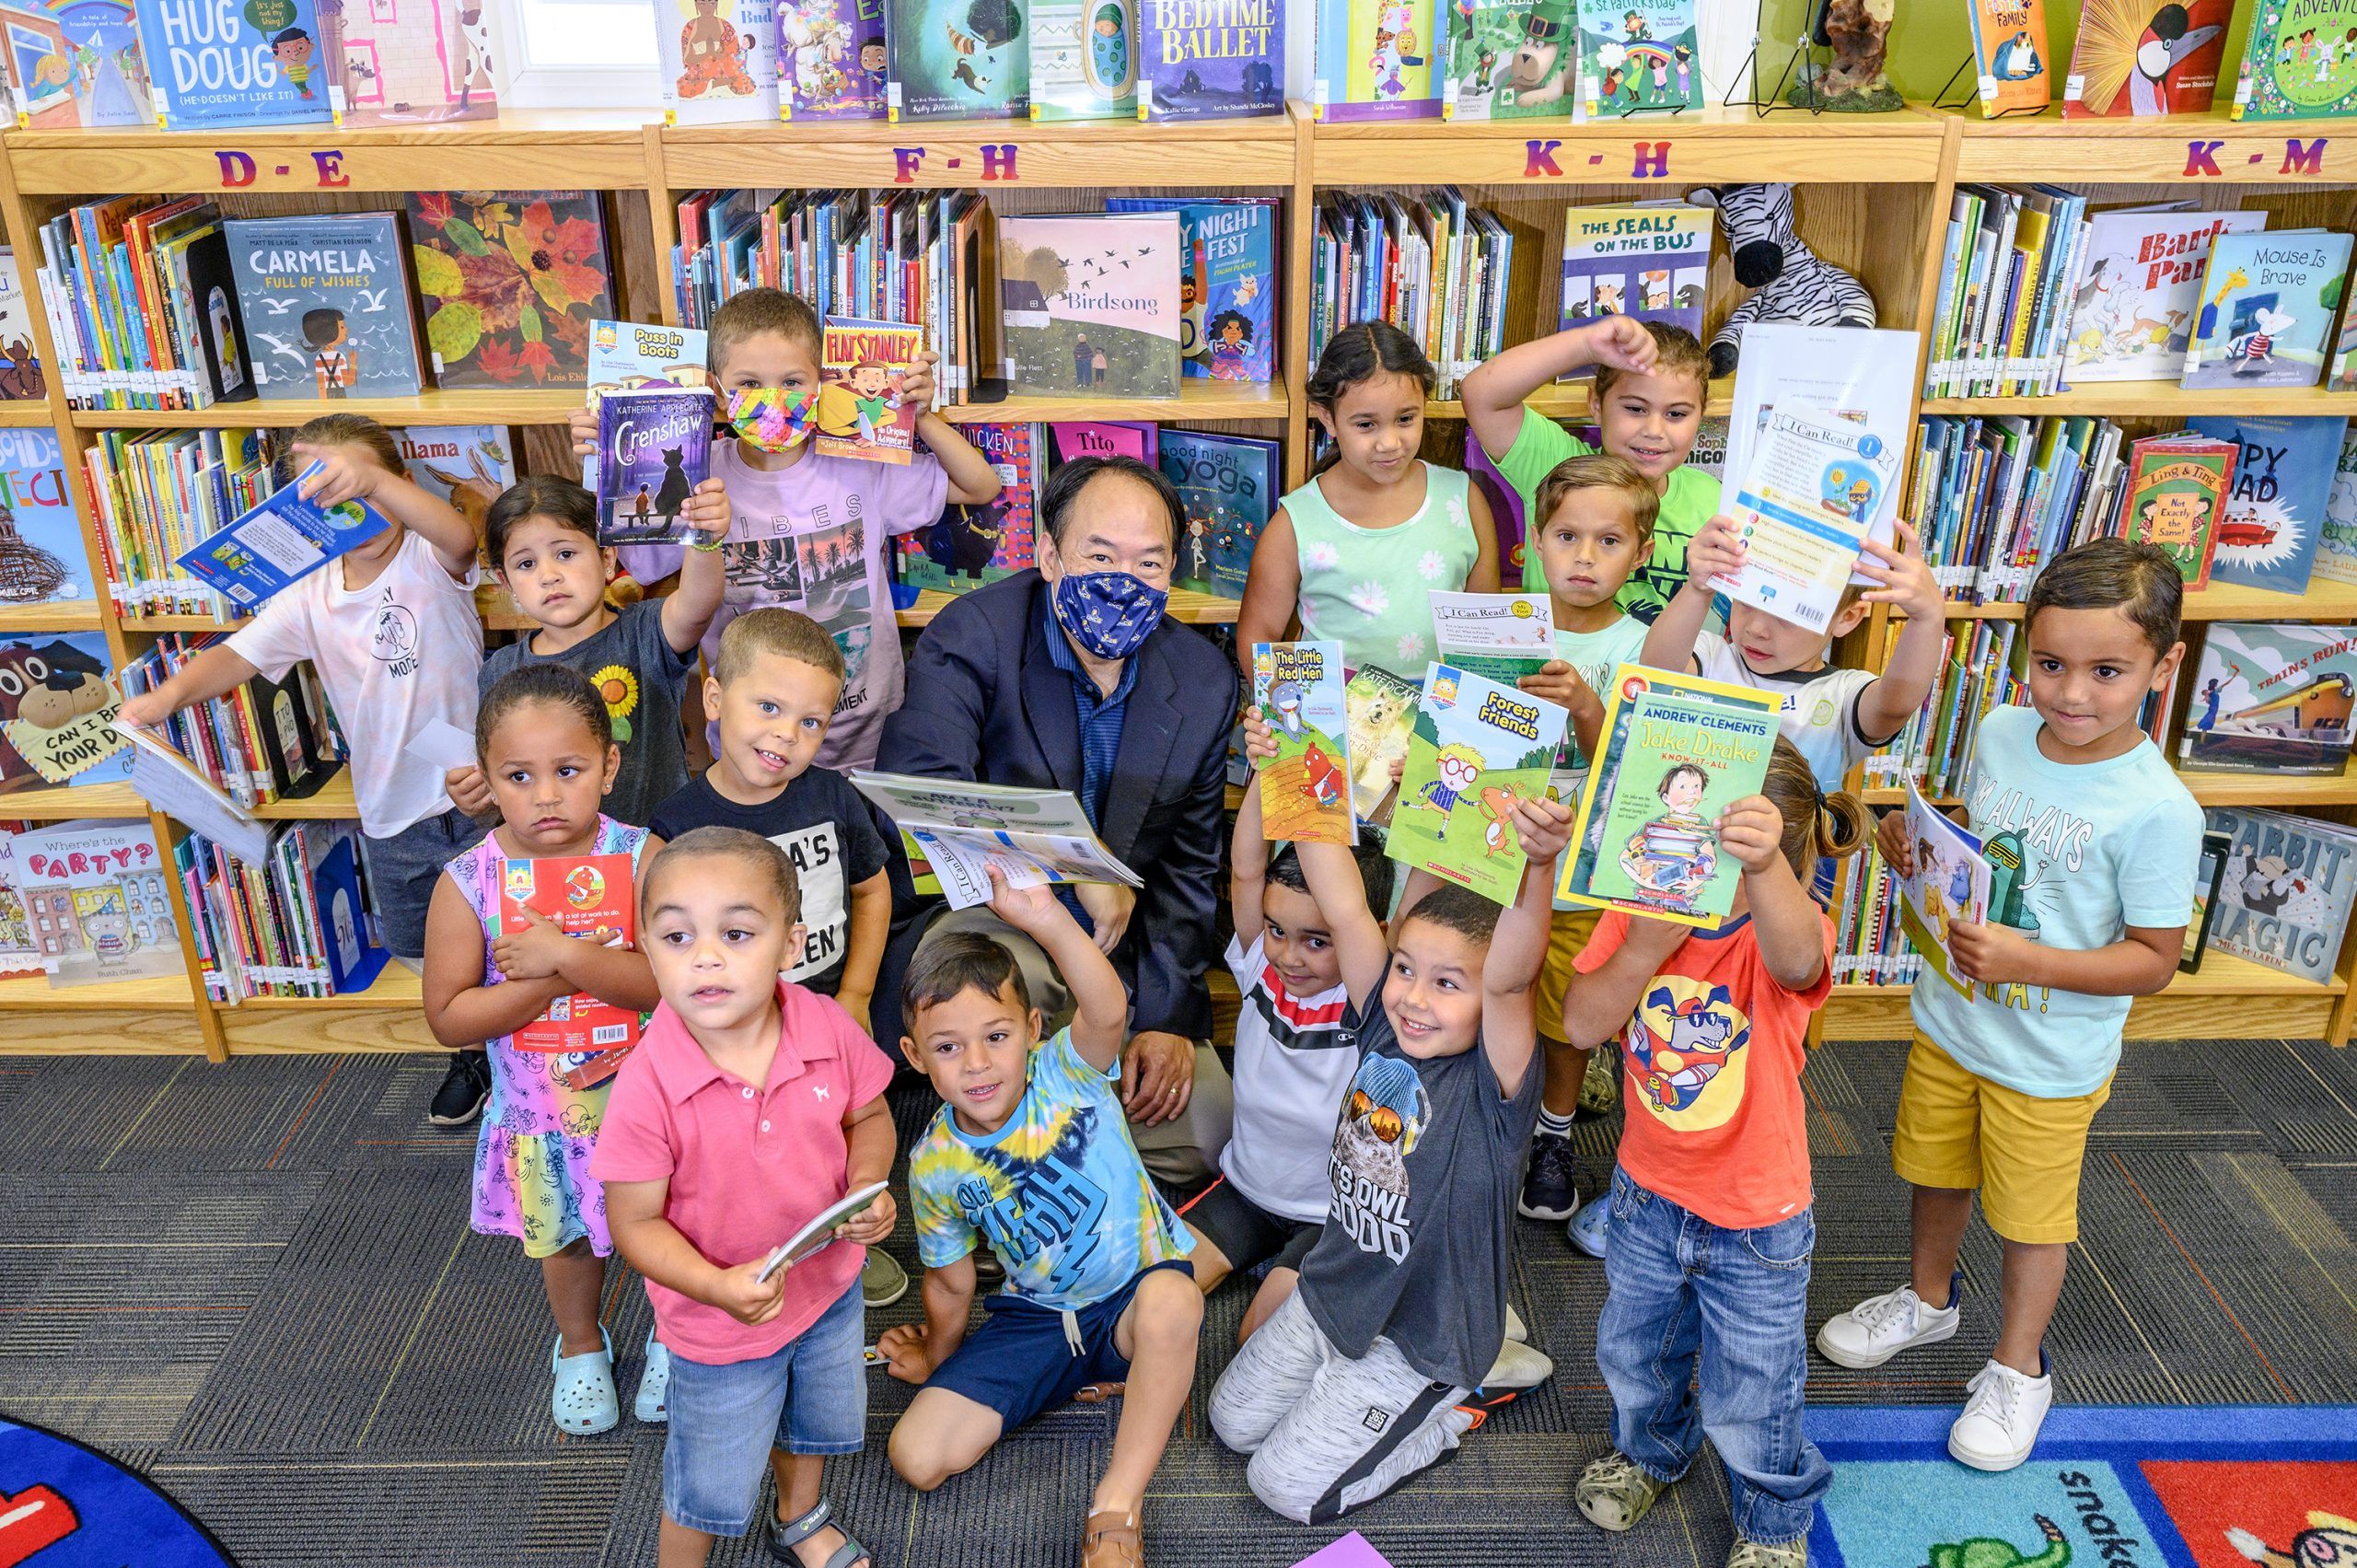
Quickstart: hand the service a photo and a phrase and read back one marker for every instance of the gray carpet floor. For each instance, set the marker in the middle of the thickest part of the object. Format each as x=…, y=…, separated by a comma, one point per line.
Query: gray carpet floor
x=255, y=1283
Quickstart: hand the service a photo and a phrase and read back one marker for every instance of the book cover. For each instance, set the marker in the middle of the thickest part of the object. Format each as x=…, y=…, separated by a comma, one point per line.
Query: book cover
x=956, y=831
x=1677, y=750
x=1104, y=438
x=624, y=355
x=861, y=413
x=2209, y=879
x=20, y=958
x=588, y=898
x=2133, y=308
x=1502, y=636
x=218, y=66
x=1637, y=56
x=1227, y=285
x=2175, y=488
x=2275, y=503
x=326, y=303
x=1382, y=709
x=1210, y=59
x=1084, y=59
x=717, y=60
x=200, y=284
x=2140, y=58
x=2299, y=61
x=510, y=281
x=1375, y=60
x=296, y=765
x=20, y=374
x=466, y=465
x=1474, y=748
x=830, y=59
x=973, y=545
x=2284, y=898
x=43, y=558
x=2337, y=548
x=349, y=941
x=2271, y=698
x=2269, y=302
x=1647, y=260
x=2009, y=53
x=961, y=60
x=410, y=62
x=1227, y=485
x=282, y=540
x=1090, y=303
x=57, y=705
x=1950, y=883
x=100, y=899
x=1305, y=787
x=654, y=449
x=1509, y=59
x=95, y=56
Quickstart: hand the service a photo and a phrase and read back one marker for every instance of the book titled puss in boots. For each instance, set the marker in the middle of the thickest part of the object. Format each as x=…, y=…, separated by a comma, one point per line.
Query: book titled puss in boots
x=654, y=449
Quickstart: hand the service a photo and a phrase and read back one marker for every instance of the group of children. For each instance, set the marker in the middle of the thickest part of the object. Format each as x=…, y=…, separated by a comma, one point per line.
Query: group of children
x=1403, y=1085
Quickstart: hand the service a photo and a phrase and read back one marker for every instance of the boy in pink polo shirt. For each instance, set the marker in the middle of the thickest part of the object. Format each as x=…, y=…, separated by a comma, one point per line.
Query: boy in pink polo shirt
x=748, y=1108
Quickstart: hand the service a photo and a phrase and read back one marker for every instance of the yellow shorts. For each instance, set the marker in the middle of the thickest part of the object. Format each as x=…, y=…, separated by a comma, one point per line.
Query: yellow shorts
x=1565, y=937
x=1958, y=1129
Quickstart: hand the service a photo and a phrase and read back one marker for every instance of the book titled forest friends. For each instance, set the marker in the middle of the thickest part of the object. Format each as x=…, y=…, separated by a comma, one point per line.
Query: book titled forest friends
x=654, y=449
x=1305, y=787
x=1476, y=748
x=861, y=411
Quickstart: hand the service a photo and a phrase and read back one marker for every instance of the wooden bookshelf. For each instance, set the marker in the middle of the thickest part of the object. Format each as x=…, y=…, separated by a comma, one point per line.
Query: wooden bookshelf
x=1575, y=403
x=79, y=615
x=2304, y=152
x=2158, y=400
x=32, y=413
x=1198, y=399
x=2219, y=601
x=2217, y=1001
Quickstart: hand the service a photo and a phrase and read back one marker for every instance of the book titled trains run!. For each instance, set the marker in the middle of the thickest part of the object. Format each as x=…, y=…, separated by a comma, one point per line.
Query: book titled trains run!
x=2272, y=699
x=654, y=449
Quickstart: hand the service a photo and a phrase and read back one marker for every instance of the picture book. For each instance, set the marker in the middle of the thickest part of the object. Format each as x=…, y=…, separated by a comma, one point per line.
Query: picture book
x=1950, y=882
x=1509, y=59
x=468, y=465
x=354, y=958
x=410, y=62
x=2337, y=548
x=284, y=540
x=79, y=63
x=1305, y=787
x=2341, y=378
x=861, y=412
x=99, y=895
x=1812, y=485
x=830, y=59
x=1474, y=748
x=2132, y=311
x=717, y=60
x=2285, y=897
x=2175, y=490
x=1210, y=59
x=217, y=66
x=2209, y=881
x=1650, y=259
x=2275, y=502
x=21, y=373
x=510, y=281
x=624, y=355
x=1084, y=59
x=1227, y=285
x=973, y=545
x=1228, y=486
x=1677, y=750
x=654, y=449
x=20, y=956
x=957, y=61
x=326, y=305
x=1501, y=636
x=1090, y=303
x=2269, y=302
x=1382, y=709
x=956, y=831
x=1104, y=438
x=57, y=705
x=2140, y=58
x=2009, y=53
x=2299, y=61
x=43, y=560
x=1638, y=57
x=587, y=897
x=818, y=1233
x=2270, y=697
x=1374, y=59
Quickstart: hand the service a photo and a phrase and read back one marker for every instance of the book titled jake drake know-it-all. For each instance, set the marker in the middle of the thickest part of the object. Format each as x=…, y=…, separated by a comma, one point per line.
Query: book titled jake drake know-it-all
x=587, y=897
x=285, y=539
x=1210, y=59
x=1090, y=305
x=1475, y=747
x=2284, y=897
x=654, y=449
x=2271, y=698
x=1305, y=787
x=325, y=302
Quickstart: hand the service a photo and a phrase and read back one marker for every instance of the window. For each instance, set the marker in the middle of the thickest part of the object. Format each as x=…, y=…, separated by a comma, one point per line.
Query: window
x=579, y=54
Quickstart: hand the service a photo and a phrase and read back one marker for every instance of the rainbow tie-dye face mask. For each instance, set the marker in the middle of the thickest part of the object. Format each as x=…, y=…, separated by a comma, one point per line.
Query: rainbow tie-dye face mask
x=775, y=419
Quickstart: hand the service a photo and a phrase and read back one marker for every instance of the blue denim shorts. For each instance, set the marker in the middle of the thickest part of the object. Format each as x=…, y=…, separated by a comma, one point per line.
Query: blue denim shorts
x=809, y=1397
x=1022, y=1362
x=402, y=870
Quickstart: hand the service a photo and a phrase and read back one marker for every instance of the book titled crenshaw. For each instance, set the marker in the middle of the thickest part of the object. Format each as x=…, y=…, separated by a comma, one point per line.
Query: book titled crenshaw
x=654, y=449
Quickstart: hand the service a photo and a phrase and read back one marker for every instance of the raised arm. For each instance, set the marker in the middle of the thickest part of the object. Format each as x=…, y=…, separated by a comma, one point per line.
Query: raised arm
x=1518, y=945
x=1101, y=1008
x=1178, y=910
x=343, y=477
x=1332, y=873
x=1712, y=553
x=1247, y=866
x=689, y=608
x=215, y=673
x=1790, y=927
x=1493, y=394
x=1598, y=1002
x=1487, y=567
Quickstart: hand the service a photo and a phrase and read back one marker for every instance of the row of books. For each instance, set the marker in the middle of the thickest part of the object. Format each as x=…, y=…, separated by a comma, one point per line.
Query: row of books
x=1977, y=674
x=1869, y=947
x=1429, y=262
x=265, y=742
x=84, y=902
x=296, y=923
x=2129, y=58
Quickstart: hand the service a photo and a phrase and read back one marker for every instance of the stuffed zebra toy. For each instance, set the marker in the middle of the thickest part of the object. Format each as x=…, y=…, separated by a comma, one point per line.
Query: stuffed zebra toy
x=1791, y=283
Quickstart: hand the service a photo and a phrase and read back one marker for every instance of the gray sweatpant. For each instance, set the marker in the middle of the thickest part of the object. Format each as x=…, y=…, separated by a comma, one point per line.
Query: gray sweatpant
x=1326, y=1432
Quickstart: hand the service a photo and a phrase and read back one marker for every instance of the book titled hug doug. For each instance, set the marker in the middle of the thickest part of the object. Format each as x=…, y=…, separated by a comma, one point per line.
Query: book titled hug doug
x=654, y=449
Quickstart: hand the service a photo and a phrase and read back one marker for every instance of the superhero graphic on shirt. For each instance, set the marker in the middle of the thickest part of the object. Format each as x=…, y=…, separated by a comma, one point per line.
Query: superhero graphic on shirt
x=1686, y=1060
x=1382, y=1118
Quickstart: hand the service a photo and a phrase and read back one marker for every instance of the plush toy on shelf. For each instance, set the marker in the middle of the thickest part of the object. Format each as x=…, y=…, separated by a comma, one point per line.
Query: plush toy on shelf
x=1791, y=283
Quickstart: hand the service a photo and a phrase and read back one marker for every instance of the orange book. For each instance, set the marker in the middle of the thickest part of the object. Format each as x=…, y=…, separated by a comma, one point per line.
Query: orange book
x=2009, y=53
x=588, y=897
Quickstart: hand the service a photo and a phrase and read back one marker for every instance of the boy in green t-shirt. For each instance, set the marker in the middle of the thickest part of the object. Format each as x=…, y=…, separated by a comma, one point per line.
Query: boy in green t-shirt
x=1650, y=383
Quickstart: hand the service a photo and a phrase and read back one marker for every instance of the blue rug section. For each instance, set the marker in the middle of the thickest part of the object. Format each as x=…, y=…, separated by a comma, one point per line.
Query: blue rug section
x=62, y=1506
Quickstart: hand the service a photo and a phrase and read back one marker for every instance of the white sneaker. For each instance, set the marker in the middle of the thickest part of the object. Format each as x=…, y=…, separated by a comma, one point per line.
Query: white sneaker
x=1880, y=1327
x=1516, y=1330
x=2002, y=1415
x=1518, y=1367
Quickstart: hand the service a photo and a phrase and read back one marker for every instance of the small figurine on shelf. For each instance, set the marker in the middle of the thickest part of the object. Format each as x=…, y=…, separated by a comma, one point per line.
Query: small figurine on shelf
x=1791, y=282
x=1857, y=31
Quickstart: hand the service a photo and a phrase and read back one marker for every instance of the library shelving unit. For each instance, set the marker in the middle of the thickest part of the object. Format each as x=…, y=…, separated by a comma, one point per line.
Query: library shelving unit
x=1872, y=192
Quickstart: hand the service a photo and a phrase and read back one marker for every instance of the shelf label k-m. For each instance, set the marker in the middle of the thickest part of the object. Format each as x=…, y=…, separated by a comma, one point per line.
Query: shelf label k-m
x=1649, y=160
x=2299, y=157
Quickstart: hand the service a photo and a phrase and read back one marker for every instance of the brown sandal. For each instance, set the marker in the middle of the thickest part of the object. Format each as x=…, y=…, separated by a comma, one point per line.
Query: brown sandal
x=1112, y=1540
x=1099, y=1393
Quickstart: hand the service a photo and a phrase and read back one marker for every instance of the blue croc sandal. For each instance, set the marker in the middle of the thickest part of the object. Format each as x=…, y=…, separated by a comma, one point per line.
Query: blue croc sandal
x=584, y=1403
x=785, y=1537
x=654, y=1403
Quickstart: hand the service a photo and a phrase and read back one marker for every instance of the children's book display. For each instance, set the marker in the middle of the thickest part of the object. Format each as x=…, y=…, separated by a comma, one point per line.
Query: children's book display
x=973, y=545
x=295, y=923
x=2285, y=897
x=1650, y=259
x=2007, y=264
x=20, y=374
x=2135, y=290
x=1425, y=260
x=861, y=412
x=2209, y=878
x=283, y=539
x=1227, y=284
x=220, y=66
x=43, y=560
x=416, y=63
x=78, y=63
x=2271, y=698
x=1475, y=747
x=155, y=494
x=1297, y=688
x=2009, y=53
x=1090, y=303
x=2299, y=61
x=586, y=896
x=98, y=898
x=510, y=281
x=1373, y=60
x=1210, y=59
x=2176, y=486
x=1638, y=57
x=1228, y=486
x=326, y=306
x=2336, y=559
x=717, y=60
x=1950, y=883
x=143, y=305
x=2269, y=302
x=830, y=59
x=1084, y=59
x=954, y=832
x=654, y=449
x=1501, y=636
x=2133, y=58
x=962, y=60
x=57, y=708
x=1104, y=438
x=1509, y=59
x=1382, y=714
x=2276, y=500
x=1677, y=750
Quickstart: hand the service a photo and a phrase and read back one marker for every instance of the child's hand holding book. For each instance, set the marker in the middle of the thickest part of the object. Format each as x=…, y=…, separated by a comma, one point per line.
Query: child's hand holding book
x=1992, y=955
x=742, y=1292
x=1558, y=683
x=905, y=1353
x=871, y=1225
x=1900, y=576
x=1898, y=851
x=1752, y=831
x=1542, y=826
x=916, y=381
x=1716, y=553
x=531, y=946
x=341, y=477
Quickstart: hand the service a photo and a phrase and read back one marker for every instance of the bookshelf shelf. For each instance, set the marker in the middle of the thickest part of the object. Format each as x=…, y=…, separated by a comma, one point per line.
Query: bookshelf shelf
x=395, y=987
x=2221, y=601
x=1198, y=399
x=985, y=154
x=2215, y=1001
x=1720, y=143
x=2158, y=150
x=81, y=615
x=1577, y=402
x=2290, y=792
x=35, y=991
x=2158, y=400
x=526, y=406
x=32, y=414
x=65, y=803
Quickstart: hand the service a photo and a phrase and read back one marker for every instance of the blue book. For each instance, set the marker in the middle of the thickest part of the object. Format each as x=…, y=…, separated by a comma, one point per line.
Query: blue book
x=325, y=300
x=1228, y=485
x=219, y=66
x=2266, y=309
x=346, y=932
x=2275, y=505
x=654, y=449
x=282, y=541
x=1227, y=284
x=41, y=557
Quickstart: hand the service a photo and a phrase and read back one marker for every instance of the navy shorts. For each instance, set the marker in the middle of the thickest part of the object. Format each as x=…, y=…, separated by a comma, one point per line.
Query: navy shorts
x=1021, y=1363
x=1245, y=1233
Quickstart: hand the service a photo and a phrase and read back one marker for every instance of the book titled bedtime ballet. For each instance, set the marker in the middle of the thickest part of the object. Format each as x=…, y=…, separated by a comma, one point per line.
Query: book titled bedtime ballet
x=654, y=449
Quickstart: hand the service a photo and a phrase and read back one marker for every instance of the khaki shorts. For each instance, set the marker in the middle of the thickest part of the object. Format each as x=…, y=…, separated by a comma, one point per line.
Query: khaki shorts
x=1960, y=1130
x=1565, y=938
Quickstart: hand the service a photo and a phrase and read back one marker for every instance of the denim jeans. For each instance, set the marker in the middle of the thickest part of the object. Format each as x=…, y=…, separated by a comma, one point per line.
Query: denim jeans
x=1685, y=1296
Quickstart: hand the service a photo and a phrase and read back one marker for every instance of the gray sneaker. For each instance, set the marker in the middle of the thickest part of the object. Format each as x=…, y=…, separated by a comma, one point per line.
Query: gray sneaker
x=1752, y=1555
x=882, y=1281
x=1614, y=1492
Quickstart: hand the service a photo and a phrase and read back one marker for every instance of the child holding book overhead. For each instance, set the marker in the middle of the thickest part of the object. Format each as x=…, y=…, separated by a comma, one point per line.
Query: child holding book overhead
x=749, y=1109
x=1358, y=550
x=1711, y=1220
x=811, y=531
x=391, y=627
x=543, y=739
x=2004, y=1081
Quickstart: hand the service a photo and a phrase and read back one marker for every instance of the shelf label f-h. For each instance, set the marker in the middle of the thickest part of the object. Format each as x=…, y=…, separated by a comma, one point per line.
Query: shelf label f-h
x=998, y=163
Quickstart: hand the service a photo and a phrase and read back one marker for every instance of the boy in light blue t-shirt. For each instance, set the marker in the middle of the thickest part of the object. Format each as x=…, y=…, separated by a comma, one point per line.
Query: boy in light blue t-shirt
x=2093, y=843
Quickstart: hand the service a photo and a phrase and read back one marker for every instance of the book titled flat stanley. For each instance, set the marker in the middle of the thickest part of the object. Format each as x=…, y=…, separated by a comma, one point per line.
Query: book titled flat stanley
x=654, y=449
x=588, y=898
x=861, y=411
x=1305, y=787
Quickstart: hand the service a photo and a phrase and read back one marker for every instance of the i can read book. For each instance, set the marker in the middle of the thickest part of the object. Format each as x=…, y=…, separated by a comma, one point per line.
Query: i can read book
x=1509, y=59
x=862, y=412
x=2275, y=505
x=1227, y=285
x=419, y=62
x=2010, y=53
x=2299, y=61
x=2270, y=697
x=2269, y=302
x=2145, y=57
x=830, y=59
x=1210, y=59
x=1638, y=57
x=654, y=449
x=1375, y=60
x=221, y=65
x=2284, y=898
x=1474, y=748
x=2137, y=298
x=1084, y=59
x=1090, y=303
x=957, y=60
x=326, y=303
x=717, y=60
x=1305, y=787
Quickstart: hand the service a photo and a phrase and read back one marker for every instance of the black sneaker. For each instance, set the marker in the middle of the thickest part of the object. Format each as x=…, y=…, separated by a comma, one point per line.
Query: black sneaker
x=464, y=1089
x=1547, y=1190
x=988, y=1275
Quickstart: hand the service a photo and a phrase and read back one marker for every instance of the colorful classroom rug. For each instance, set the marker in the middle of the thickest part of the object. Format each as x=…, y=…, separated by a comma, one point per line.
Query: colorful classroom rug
x=62, y=1506
x=2136, y=1487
